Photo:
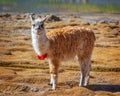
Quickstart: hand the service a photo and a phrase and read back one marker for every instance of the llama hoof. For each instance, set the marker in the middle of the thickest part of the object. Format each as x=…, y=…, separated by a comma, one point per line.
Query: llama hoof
x=82, y=85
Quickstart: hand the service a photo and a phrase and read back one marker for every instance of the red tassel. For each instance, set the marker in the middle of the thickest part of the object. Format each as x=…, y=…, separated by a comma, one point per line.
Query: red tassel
x=42, y=57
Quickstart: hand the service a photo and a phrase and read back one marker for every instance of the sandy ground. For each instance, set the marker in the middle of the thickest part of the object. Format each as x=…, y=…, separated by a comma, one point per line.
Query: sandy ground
x=22, y=74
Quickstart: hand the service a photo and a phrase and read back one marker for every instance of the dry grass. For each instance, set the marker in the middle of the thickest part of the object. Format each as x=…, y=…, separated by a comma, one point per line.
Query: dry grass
x=61, y=24
x=21, y=73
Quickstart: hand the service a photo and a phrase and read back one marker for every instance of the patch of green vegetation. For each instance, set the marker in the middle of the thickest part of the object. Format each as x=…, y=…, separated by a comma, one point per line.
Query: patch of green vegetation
x=111, y=8
x=9, y=2
x=68, y=7
x=88, y=7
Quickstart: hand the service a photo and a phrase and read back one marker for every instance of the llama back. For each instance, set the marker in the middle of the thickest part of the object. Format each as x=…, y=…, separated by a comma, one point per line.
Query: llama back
x=65, y=43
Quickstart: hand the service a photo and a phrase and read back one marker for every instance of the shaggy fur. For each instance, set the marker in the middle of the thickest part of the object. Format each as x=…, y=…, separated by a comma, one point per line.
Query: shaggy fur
x=63, y=44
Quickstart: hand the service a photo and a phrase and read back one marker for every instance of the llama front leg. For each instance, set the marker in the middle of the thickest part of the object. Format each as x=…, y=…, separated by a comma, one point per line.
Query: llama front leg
x=85, y=71
x=54, y=65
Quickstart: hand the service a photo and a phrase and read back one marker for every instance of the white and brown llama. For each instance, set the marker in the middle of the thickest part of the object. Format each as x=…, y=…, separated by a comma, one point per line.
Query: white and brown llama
x=63, y=44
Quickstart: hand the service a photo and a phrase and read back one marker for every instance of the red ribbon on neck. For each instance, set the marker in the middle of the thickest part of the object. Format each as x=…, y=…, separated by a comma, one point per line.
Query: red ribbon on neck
x=42, y=57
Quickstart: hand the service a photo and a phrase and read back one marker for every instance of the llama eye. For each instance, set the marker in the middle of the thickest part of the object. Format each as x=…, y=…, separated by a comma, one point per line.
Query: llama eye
x=42, y=25
x=33, y=25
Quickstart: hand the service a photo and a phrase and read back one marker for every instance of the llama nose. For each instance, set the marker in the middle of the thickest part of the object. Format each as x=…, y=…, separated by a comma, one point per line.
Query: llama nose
x=39, y=27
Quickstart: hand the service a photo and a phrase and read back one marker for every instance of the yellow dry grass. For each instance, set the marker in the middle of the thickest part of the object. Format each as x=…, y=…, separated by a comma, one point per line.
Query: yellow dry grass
x=21, y=71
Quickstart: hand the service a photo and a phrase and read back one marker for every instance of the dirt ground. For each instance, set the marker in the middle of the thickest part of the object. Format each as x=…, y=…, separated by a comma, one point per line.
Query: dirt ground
x=22, y=74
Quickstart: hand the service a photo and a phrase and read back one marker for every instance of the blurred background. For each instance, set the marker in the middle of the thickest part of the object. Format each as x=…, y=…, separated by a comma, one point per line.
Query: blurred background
x=42, y=6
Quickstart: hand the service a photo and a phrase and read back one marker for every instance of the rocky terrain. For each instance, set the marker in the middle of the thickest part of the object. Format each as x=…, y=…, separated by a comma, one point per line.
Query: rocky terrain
x=22, y=74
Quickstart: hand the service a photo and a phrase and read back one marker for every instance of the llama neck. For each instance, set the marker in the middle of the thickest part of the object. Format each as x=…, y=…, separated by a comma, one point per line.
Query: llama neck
x=40, y=43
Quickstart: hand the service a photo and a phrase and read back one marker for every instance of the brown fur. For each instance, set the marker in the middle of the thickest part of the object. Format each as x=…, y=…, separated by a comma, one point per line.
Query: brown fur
x=65, y=43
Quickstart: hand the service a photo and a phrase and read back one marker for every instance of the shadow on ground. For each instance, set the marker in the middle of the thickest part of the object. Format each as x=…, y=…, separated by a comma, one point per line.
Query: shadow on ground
x=110, y=88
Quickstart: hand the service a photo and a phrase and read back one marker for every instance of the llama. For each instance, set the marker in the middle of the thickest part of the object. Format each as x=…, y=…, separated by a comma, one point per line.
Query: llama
x=63, y=44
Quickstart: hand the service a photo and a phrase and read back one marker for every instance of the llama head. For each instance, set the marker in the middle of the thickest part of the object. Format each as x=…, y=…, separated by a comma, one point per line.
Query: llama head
x=37, y=24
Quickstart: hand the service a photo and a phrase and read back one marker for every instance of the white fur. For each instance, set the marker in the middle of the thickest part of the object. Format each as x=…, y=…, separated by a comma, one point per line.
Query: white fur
x=39, y=44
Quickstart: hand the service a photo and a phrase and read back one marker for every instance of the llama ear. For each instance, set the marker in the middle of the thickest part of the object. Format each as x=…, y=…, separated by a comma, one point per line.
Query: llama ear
x=44, y=19
x=32, y=17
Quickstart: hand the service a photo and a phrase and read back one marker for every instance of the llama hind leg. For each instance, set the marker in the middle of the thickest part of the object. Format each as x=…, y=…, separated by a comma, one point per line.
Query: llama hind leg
x=85, y=66
x=54, y=65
